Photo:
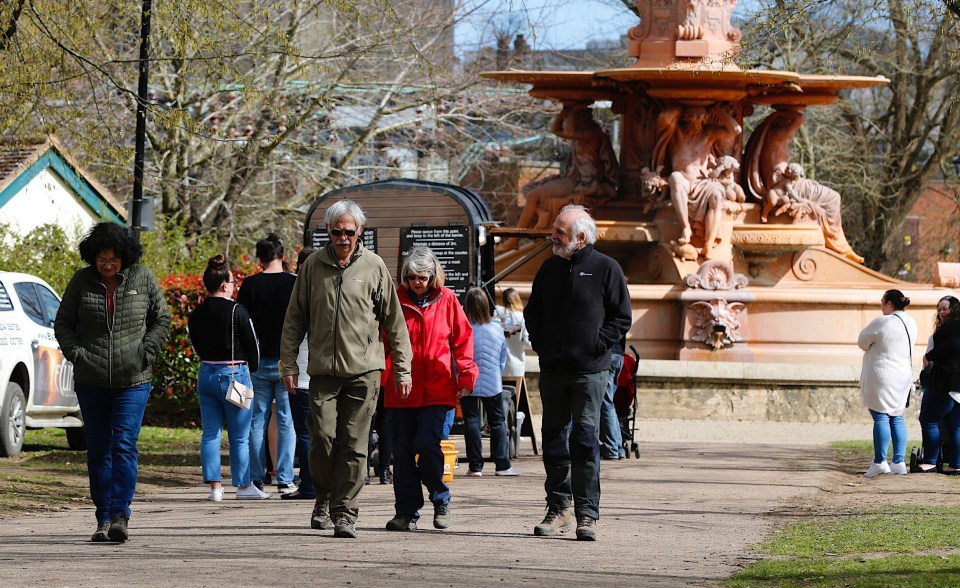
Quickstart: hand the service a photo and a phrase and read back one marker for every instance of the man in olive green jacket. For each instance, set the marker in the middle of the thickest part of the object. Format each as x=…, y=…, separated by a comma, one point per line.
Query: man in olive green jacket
x=343, y=299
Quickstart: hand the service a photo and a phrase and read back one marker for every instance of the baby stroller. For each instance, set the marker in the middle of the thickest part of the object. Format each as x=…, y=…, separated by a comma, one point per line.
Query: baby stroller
x=625, y=401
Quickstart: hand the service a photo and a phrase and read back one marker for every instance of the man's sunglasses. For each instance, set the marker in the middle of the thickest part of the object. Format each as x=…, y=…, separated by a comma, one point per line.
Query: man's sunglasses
x=341, y=232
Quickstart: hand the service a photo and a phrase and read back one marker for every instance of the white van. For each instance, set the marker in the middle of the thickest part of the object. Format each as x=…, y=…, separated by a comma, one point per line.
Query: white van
x=36, y=381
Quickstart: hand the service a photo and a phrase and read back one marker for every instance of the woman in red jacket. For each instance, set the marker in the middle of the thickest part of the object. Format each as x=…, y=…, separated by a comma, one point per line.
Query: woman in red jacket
x=443, y=371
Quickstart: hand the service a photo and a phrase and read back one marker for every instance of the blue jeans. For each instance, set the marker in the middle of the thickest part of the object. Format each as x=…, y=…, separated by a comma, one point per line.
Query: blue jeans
x=215, y=412
x=571, y=439
x=111, y=427
x=267, y=387
x=611, y=442
x=300, y=407
x=498, y=431
x=418, y=431
x=448, y=423
x=885, y=427
x=936, y=407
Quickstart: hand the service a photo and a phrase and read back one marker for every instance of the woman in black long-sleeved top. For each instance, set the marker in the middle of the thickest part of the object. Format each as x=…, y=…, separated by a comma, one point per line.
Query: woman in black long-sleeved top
x=223, y=336
x=945, y=357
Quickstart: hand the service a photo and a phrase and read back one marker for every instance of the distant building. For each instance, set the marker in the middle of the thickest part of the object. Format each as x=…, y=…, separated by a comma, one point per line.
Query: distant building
x=40, y=184
x=930, y=232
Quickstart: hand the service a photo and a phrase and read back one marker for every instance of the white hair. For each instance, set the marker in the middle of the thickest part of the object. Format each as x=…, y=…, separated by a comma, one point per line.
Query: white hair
x=421, y=260
x=342, y=207
x=583, y=224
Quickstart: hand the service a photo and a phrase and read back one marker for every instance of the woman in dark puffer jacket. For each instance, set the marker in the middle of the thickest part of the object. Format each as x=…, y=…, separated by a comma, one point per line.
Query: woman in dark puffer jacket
x=112, y=324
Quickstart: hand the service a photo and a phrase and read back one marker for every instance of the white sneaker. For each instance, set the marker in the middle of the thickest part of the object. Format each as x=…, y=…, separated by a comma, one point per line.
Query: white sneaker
x=898, y=468
x=287, y=488
x=251, y=492
x=511, y=471
x=216, y=495
x=474, y=474
x=876, y=469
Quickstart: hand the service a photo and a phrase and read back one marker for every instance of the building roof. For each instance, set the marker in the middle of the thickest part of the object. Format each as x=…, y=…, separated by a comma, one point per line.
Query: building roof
x=22, y=159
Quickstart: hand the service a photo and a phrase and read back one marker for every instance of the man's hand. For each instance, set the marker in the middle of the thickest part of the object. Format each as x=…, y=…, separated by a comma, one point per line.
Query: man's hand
x=463, y=392
x=290, y=383
x=405, y=389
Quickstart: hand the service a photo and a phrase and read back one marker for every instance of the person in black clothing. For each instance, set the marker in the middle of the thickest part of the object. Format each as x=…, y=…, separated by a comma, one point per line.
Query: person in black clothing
x=579, y=307
x=944, y=355
x=224, y=338
x=266, y=295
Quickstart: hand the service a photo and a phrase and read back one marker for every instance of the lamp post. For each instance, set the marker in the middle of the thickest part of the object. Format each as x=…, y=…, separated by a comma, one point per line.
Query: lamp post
x=136, y=199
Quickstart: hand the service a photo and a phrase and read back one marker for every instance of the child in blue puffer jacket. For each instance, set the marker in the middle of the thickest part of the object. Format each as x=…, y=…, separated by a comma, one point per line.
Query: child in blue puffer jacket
x=490, y=355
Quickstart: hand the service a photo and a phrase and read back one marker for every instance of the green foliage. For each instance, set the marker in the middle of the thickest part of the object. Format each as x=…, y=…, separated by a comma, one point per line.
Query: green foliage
x=48, y=252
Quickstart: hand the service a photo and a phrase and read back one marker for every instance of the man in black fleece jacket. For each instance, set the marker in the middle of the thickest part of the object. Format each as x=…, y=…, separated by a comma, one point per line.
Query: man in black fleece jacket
x=579, y=307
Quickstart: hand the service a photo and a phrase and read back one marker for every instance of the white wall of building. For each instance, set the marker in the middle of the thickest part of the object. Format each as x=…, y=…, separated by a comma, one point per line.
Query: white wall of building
x=47, y=199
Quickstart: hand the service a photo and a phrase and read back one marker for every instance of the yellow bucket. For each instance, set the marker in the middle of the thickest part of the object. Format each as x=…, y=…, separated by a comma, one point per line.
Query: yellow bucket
x=450, y=453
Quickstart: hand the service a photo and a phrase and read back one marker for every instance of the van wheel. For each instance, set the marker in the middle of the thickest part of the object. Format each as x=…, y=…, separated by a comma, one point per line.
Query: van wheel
x=75, y=439
x=12, y=421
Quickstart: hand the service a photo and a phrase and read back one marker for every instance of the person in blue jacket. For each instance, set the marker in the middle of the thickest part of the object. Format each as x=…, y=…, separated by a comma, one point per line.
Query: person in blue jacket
x=490, y=355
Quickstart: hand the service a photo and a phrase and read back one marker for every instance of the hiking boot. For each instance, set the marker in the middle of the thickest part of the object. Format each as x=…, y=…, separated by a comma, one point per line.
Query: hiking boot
x=402, y=523
x=343, y=528
x=558, y=520
x=320, y=519
x=586, y=528
x=385, y=476
x=118, y=528
x=103, y=527
x=441, y=516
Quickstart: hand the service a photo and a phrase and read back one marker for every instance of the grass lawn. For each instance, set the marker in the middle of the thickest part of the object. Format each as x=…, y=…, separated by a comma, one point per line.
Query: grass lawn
x=899, y=545
x=48, y=476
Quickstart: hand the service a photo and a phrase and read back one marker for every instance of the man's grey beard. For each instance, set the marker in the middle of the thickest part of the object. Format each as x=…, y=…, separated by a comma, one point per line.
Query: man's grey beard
x=565, y=251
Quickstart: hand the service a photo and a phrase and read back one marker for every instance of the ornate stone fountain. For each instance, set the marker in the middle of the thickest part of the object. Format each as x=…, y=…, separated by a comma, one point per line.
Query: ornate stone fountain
x=732, y=254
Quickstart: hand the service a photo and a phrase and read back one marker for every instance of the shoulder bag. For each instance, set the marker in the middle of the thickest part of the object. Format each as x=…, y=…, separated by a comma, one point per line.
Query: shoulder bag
x=238, y=394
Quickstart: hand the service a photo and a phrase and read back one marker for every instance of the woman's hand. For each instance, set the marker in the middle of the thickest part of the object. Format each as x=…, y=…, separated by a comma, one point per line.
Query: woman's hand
x=463, y=392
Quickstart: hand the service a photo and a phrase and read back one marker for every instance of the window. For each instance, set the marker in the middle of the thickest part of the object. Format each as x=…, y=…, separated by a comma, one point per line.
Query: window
x=30, y=302
x=51, y=304
x=5, y=302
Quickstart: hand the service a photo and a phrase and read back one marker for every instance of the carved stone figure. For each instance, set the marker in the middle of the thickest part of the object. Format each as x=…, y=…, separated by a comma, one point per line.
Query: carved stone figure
x=783, y=187
x=687, y=139
x=690, y=17
x=590, y=179
x=813, y=199
x=767, y=156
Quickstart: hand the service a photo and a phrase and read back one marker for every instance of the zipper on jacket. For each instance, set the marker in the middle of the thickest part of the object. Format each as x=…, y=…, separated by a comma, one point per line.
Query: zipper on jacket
x=110, y=322
x=336, y=321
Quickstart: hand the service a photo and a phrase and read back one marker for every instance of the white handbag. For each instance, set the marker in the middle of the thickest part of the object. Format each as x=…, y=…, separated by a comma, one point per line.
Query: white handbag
x=238, y=393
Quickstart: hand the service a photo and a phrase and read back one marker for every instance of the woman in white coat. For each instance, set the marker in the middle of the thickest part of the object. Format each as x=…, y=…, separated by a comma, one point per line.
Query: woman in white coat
x=887, y=378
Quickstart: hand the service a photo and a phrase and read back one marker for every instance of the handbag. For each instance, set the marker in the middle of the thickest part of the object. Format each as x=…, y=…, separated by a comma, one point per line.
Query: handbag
x=238, y=393
x=914, y=386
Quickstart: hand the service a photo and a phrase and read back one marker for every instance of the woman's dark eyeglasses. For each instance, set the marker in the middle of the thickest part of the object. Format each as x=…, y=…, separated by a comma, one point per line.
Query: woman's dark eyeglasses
x=413, y=278
x=340, y=232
